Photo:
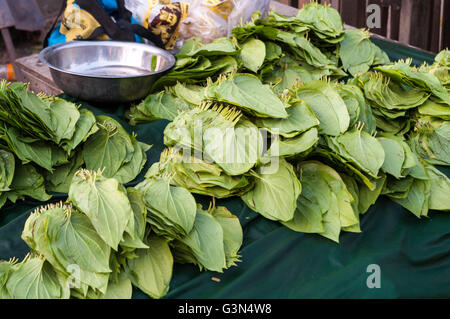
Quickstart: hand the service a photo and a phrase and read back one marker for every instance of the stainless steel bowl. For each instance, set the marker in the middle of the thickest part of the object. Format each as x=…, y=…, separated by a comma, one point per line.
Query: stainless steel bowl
x=106, y=71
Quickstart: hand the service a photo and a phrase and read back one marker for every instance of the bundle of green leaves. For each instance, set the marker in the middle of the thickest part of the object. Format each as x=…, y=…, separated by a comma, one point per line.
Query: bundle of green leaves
x=378, y=133
x=45, y=140
x=106, y=238
x=277, y=49
x=258, y=116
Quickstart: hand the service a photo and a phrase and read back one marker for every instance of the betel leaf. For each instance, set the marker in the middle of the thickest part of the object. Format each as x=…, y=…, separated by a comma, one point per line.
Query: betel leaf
x=440, y=190
x=322, y=19
x=27, y=182
x=59, y=181
x=353, y=189
x=301, y=118
x=232, y=234
x=109, y=148
x=294, y=146
x=327, y=105
x=140, y=213
x=394, y=156
x=358, y=108
x=135, y=230
x=360, y=148
x=431, y=141
x=70, y=243
x=191, y=94
x=161, y=105
x=402, y=71
x=171, y=209
x=104, y=202
x=34, y=278
x=65, y=116
x=417, y=198
x=129, y=171
x=6, y=267
x=29, y=149
x=325, y=204
x=120, y=289
x=247, y=92
x=220, y=46
x=7, y=166
x=236, y=150
x=357, y=52
x=431, y=108
x=273, y=51
x=197, y=175
x=368, y=197
x=253, y=54
x=205, y=243
x=276, y=190
x=151, y=270
x=85, y=127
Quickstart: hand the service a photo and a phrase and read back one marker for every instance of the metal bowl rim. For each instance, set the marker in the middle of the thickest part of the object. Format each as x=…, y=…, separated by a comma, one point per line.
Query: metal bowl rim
x=44, y=52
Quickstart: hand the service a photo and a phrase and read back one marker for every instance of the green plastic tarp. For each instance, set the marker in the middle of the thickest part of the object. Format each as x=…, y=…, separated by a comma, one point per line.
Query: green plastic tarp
x=413, y=255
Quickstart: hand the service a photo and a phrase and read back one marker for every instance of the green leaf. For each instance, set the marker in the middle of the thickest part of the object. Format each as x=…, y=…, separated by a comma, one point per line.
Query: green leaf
x=161, y=105
x=402, y=71
x=361, y=148
x=253, y=54
x=232, y=234
x=294, y=146
x=236, y=150
x=417, y=199
x=247, y=92
x=7, y=167
x=327, y=105
x=27, y=182
x=206, y=242
x=104, y=202
x=122, y=289
x=171, y=209
x=151, y=271
x=85, y=127
x=88, y=259
x=357, y=52
x=109, y=148
x=129, y=171
x=34, y=278
x=394, y=156
x=440, y=190
x=368, y=197
x=325, y=204
x=275, y=193
x=59, y=181
x=301, y=118
x=220, y=46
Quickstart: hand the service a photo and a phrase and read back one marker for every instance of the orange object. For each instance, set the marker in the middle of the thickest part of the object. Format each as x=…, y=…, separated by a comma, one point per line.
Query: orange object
x=11, y=73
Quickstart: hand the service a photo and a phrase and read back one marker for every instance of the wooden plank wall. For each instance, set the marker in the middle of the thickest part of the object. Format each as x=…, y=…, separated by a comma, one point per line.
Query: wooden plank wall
x=421, y=23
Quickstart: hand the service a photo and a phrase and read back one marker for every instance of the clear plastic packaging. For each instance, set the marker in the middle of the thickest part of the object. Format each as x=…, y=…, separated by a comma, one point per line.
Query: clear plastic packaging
x=207, y=19
x=210, y=19
x=243, y=11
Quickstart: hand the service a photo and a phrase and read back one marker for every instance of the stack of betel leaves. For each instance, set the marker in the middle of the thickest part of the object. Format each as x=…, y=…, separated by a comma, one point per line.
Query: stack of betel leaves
x=102, y=241
x=45, y=140
x=308, y=123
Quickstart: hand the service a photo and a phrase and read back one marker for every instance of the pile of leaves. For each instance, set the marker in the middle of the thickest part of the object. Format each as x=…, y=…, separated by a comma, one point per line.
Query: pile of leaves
x=278, y=50
x=308, y=123
x=295, y=143
x=45, y=140
x=107, y=238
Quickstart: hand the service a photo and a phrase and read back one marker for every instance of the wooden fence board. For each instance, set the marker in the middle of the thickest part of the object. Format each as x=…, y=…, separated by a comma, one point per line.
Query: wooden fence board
x=414, y=22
